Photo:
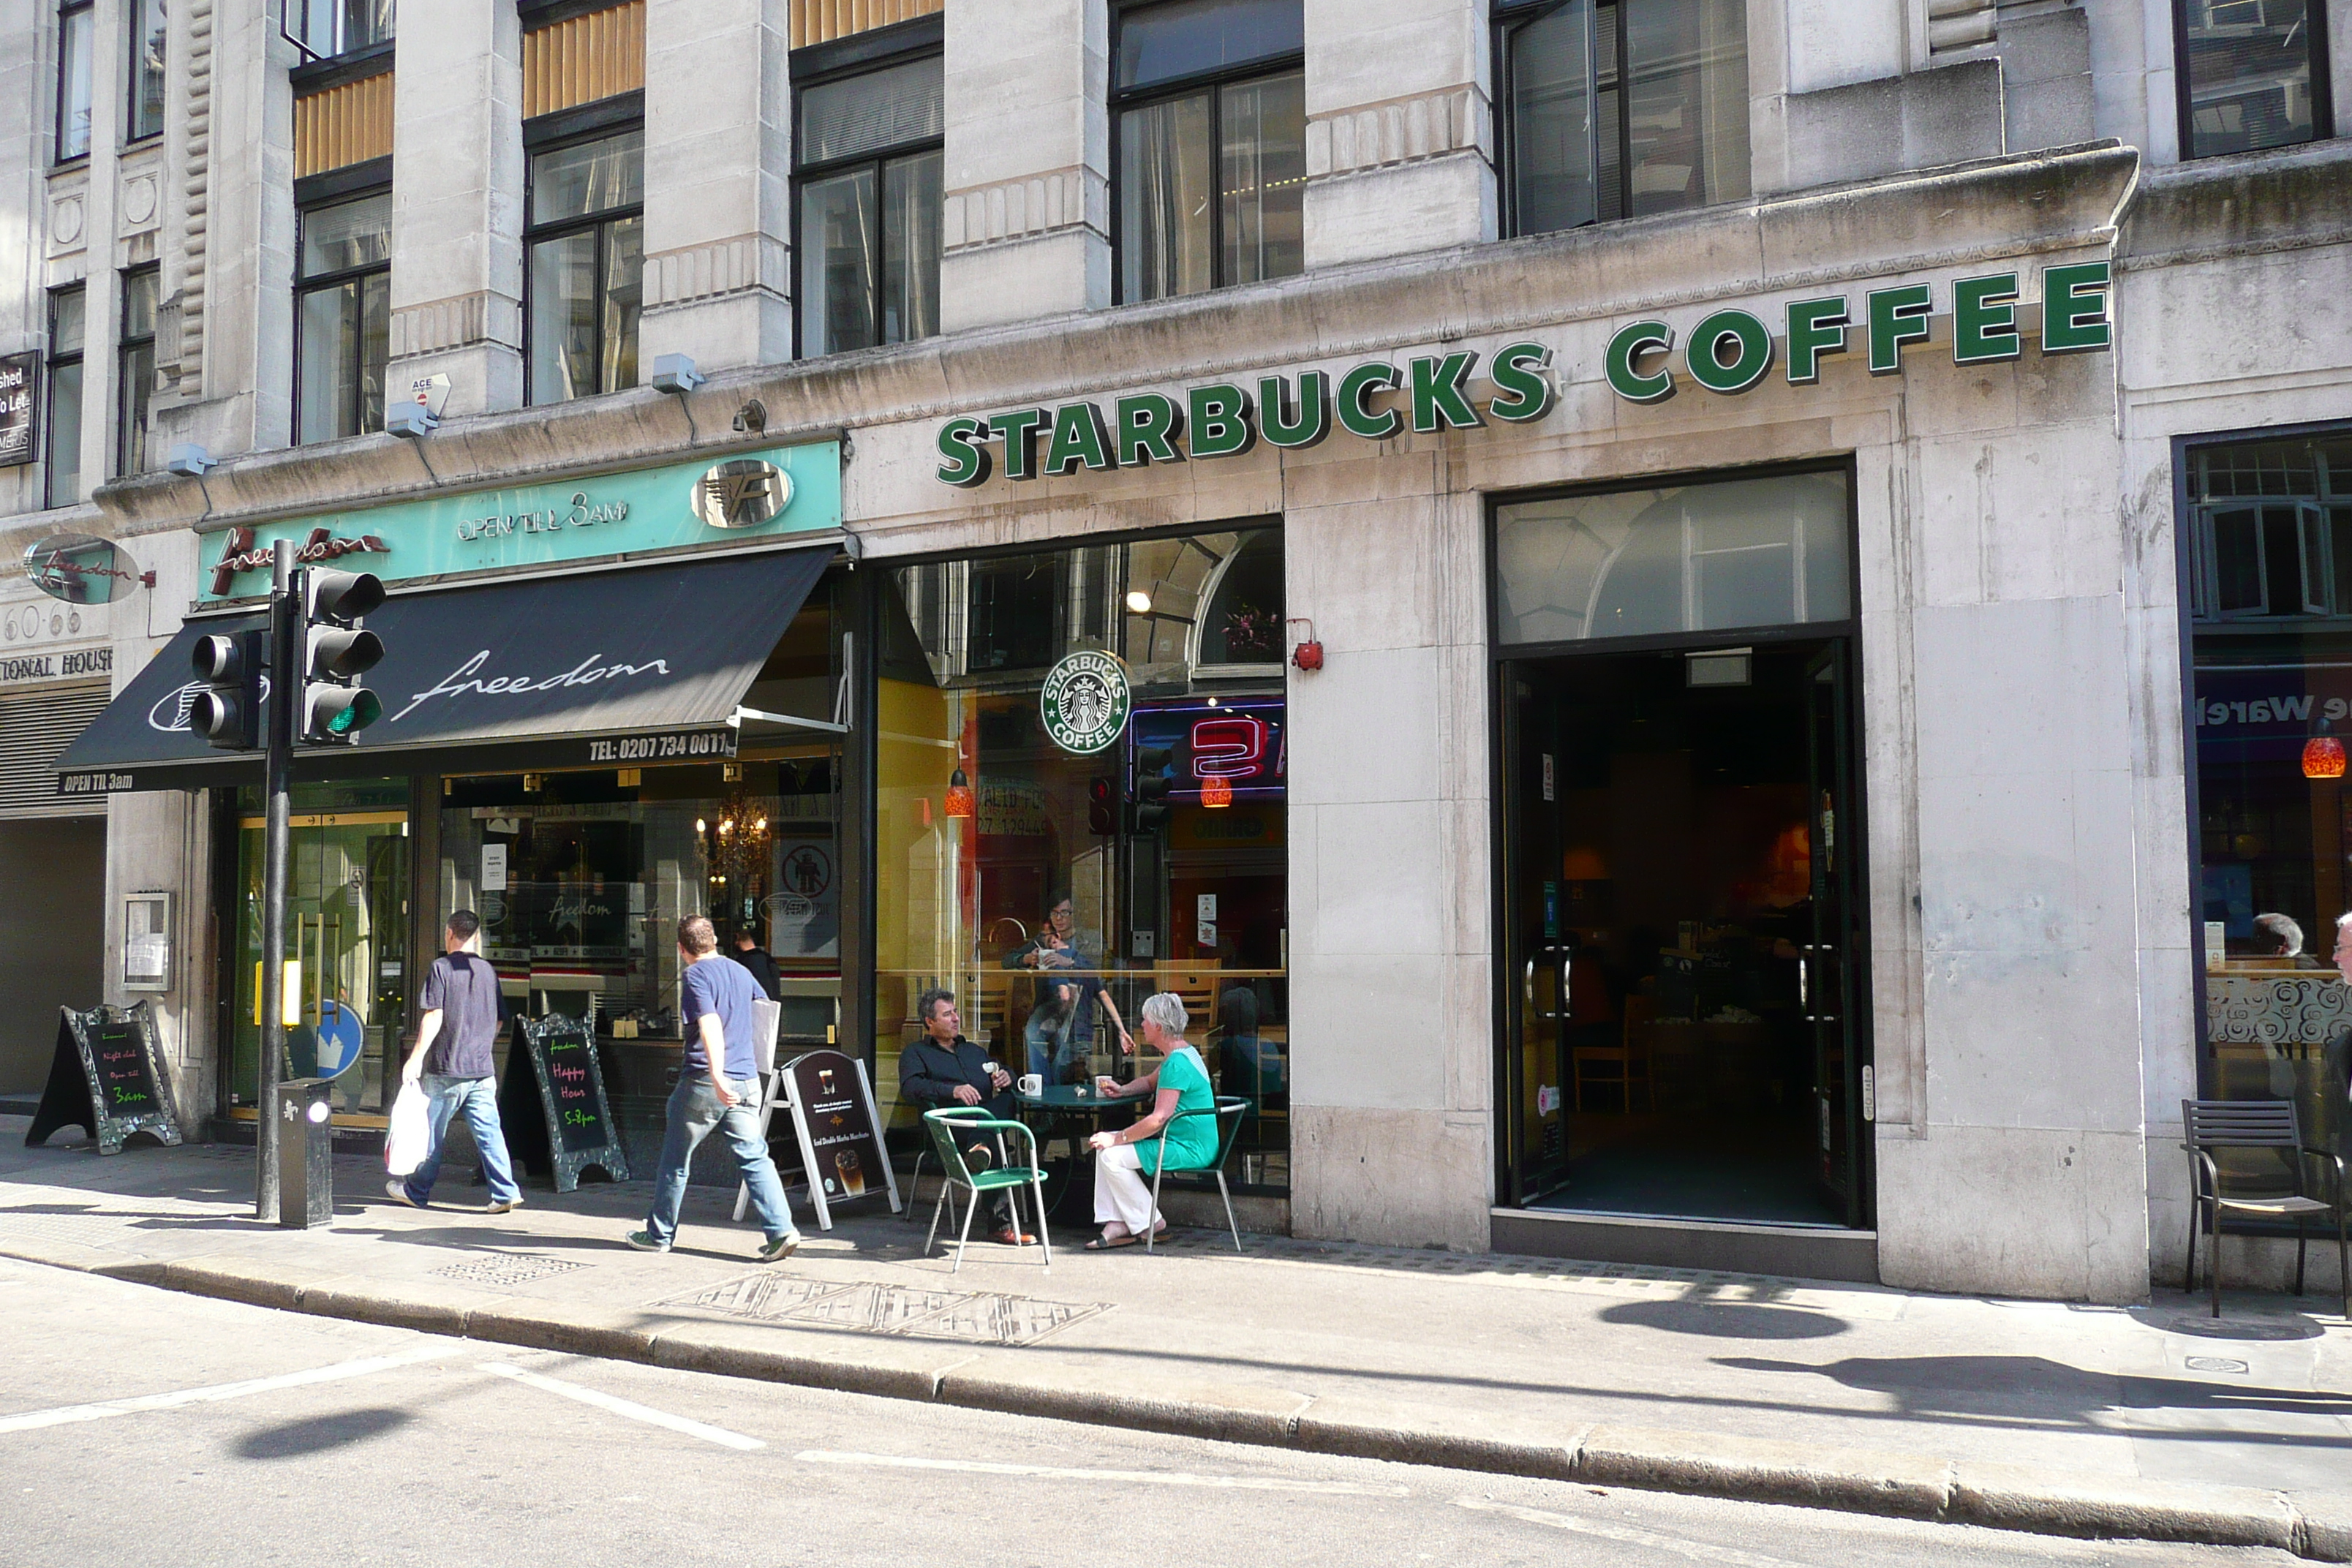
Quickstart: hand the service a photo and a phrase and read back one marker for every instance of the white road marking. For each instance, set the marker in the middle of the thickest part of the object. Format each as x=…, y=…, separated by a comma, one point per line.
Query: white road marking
x=366, y=1367
x=1145, y=1478
x=1731, y=1556
x=617, y=1406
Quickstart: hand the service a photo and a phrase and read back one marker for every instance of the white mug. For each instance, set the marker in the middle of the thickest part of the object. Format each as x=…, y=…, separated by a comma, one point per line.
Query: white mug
x=1032, y=1083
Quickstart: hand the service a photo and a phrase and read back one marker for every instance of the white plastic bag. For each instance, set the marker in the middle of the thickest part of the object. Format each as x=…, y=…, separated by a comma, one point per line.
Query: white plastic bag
x=411, y=1128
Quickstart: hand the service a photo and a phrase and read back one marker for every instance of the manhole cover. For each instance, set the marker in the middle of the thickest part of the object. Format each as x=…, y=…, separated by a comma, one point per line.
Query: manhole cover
x=976, y=1317
x=506, y=1270
x=2244, y=1329
x=2214, y=1364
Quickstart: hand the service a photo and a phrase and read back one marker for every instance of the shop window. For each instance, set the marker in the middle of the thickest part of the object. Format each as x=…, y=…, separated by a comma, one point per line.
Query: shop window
x=868, y=173
x=1618, y=109
x=134, y=368
x=2269, y=554
x=1686, y=558
x=1126, y=837
x=586, y=251
x=144, y=37
x=68, y=320
x=342, y=317
x=75, y=23
x=325, y=28
x=2253, y=74
x=1211, y=110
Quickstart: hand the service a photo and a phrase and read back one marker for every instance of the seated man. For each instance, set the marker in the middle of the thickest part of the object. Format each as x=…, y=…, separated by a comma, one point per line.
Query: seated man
x=943, y=1068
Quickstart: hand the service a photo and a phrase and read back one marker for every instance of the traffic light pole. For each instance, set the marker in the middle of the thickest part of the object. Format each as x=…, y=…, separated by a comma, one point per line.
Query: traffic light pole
x=278, y=719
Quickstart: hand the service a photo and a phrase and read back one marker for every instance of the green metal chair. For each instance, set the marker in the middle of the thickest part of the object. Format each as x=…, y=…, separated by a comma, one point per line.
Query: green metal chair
x=1229, y=1113
x=951, y=1127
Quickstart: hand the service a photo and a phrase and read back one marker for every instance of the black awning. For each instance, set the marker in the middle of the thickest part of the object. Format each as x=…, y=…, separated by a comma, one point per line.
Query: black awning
x=617, y=668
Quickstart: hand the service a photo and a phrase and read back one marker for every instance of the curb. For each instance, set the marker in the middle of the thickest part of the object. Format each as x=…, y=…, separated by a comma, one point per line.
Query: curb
x=1899, y=1485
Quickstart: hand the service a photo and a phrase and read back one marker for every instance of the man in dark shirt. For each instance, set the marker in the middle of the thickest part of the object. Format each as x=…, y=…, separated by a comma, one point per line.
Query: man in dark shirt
x=943, y=1067
x=755, y=958
x=452, y=1062
x=718, y=1089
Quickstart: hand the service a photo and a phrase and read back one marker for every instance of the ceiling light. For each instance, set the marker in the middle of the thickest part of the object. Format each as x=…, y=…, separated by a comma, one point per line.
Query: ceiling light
x=1139, y=602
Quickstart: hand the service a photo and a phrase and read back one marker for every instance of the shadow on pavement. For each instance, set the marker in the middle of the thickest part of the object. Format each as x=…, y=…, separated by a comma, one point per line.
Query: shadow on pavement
x=1726, y=1319
x=297, y=1439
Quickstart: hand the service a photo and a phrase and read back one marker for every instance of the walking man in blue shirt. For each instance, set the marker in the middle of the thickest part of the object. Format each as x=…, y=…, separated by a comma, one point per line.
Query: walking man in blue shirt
x=452, y=1062
x=719, y=1089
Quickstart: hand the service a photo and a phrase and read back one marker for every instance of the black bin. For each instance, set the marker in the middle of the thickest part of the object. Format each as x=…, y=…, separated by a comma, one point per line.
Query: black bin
x=306, y=1145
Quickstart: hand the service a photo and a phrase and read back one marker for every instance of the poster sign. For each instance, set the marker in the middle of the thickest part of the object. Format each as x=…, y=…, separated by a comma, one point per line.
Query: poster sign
x=805, y=912
x=573, y=1130
x=840, y=1135
x=494, y=867
x=19, y=421
x=106, y=1078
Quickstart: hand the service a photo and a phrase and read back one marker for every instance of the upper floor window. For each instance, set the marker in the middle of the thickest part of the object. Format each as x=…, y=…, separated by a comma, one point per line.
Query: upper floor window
x=75, y=25
x=325, y=28
x=1618, y=109
x=2253, y=74
x=145, y=34
x=869, y=171
x=2271, y=531
x=69, y=319
x=134, y=368
x=584, y=280
x=1210, y=108
x=342, y=317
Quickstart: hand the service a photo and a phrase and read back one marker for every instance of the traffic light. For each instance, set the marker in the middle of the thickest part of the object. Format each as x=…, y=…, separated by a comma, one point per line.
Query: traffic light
x=331, y=707
x=1102, y=819
x=227, y=713
x=1149, y=812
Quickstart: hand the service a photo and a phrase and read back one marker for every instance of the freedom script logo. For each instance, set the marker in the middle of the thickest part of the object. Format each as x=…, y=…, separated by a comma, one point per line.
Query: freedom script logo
x=468, y=677
x=742, y=492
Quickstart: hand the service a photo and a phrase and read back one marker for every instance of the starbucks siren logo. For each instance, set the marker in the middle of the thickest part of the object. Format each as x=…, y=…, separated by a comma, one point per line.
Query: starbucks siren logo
x=1084, y=702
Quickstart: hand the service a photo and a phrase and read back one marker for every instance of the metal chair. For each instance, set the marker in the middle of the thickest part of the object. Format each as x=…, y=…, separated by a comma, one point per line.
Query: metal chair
x=948, y=1127
x=2266, y=1124
x=1229, y=1113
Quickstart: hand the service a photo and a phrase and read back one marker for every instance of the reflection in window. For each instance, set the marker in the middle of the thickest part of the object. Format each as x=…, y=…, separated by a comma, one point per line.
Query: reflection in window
x=75, y=23
x=2250, y=81
x=68, y=324
x=583, y=281
x=145, y=36
x=869, y=182
x=342, y=318
x=325, y=28
x=134, y=367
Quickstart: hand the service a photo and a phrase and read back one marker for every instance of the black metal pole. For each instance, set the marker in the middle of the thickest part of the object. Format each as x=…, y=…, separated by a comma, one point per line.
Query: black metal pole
x=277, y=714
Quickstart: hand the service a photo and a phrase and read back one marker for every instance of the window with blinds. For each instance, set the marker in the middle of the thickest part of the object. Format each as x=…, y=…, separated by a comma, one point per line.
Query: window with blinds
x=33, y=729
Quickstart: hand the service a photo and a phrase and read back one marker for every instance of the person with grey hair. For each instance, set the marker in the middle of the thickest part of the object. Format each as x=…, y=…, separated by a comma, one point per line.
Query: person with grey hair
x=942, y=1068
x=1125, y=1160
x=2278, y=936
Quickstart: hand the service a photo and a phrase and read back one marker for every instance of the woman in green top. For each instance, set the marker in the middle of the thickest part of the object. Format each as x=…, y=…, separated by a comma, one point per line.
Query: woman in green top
x=1127, y=1160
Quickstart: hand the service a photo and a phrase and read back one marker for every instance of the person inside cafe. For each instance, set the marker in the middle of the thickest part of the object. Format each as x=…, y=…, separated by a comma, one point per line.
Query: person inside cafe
x=2279, y=939
x=1126, y=1160
x=755, y=958
x=1061, y=1027
x=942, y=1068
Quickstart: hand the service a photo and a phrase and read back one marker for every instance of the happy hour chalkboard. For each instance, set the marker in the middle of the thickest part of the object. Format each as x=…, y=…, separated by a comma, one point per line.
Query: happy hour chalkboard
x=575, y=1130
x=108, y=1078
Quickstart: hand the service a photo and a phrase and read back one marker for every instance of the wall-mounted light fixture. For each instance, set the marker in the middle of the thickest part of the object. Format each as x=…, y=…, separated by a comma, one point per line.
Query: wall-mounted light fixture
x=960, y=800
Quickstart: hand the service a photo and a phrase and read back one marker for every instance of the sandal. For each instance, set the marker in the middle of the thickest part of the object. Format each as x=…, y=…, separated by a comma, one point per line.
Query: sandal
x=1110, y=1243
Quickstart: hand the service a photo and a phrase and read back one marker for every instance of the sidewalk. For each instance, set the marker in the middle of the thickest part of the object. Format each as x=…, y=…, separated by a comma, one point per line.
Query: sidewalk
x=2153, y=1421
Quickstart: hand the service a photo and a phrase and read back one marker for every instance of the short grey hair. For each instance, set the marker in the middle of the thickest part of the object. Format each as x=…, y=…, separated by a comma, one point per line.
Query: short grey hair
x=2282, y=929
x=929, y=1003
x=1166, y=1009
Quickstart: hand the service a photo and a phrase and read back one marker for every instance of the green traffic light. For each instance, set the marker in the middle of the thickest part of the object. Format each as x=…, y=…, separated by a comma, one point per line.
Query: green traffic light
x=363, y=710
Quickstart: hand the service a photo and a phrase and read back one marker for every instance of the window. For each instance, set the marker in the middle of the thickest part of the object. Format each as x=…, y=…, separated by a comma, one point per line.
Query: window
x=68, y=321
x=2254, y=74
x=1210, y=110
x=342, y=317
x=1619, y=109
x=75, y=24
x=586, y=257
x=869, y=206
x=145, y=36
x=324, y=28
x=134, y=368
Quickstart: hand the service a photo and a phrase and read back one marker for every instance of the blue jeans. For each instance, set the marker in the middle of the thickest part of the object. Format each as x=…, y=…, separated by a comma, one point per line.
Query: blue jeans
x=478, y=1099
x=1054, y=1043
x=694, y=1112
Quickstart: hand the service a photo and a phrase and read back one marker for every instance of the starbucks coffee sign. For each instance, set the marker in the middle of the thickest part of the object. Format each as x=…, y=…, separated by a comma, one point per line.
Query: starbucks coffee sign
x=1084, y=702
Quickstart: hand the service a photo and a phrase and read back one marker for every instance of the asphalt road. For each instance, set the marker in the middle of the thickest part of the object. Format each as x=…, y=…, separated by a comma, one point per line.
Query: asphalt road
x=139, y=1426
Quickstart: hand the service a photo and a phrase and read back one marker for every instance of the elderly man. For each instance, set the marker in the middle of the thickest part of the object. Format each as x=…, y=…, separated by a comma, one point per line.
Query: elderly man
x=943, y=1068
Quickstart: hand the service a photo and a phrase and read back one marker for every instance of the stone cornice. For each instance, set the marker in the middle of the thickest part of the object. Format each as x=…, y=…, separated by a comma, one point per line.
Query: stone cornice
x=1073, y=197
x=2247, y=204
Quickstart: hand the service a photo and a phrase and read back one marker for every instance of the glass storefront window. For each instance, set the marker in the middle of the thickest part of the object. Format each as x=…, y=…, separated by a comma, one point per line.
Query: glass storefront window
x=2270, y=570
x=1143, y=851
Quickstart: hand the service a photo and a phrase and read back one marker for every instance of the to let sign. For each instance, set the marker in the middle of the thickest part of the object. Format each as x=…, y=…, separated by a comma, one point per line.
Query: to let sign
x=19, y=424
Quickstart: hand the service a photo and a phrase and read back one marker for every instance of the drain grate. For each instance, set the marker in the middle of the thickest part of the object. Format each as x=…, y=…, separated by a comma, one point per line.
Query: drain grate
x=507, y=1269
x=2215, y=1364
x=973, y=1317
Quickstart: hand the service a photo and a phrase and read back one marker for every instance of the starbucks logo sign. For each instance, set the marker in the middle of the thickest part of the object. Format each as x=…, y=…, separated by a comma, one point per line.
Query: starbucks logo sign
x=1084, y=702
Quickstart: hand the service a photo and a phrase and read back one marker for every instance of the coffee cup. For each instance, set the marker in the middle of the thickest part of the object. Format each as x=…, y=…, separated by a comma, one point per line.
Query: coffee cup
x=1032, y=1083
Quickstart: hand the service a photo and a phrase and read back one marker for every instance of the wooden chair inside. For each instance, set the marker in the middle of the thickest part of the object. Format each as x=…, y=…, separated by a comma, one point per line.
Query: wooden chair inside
x=1630, y=1055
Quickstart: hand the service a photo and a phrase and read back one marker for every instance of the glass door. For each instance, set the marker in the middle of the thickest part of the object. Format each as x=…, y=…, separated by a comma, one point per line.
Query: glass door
x=1536, y=951
x=1827, y=978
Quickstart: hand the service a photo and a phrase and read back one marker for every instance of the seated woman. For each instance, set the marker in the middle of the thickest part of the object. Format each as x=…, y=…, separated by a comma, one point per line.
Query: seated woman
x=1126, y=1160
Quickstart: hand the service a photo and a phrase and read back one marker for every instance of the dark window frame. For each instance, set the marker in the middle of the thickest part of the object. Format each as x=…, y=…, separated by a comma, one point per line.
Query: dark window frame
x=51, y=362
x=597, y=122
x=1509, y=20
x=358, y=183
x=133, y=136
x=88, y=9
x=926, y=43
x=130, y=397
x=2323, y=97
x=306, y=73
x=1125, y=101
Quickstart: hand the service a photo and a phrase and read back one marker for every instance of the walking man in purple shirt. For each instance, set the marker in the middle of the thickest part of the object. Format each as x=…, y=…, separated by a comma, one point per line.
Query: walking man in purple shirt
x=452, y=1061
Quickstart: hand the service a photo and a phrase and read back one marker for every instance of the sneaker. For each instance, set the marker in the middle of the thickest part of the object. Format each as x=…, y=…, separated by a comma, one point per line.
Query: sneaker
x=643, y=1241
x=780, y=1248
x=398, y=1193
x=502, y=1205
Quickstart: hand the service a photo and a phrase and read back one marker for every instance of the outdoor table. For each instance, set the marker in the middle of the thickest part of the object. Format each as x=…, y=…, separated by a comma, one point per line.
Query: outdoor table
x=1051, y=1108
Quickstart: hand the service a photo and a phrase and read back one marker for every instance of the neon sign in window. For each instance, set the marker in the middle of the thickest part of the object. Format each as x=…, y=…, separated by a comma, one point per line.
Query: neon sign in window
x=1242, y=744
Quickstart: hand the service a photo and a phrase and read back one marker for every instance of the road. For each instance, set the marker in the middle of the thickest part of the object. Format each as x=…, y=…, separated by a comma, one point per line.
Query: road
x=138, y=1427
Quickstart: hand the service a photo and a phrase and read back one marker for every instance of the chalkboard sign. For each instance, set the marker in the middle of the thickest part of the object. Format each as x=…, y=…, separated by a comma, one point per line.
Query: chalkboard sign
x=840, y=1136
x=108, y=1078
x=555, y=1111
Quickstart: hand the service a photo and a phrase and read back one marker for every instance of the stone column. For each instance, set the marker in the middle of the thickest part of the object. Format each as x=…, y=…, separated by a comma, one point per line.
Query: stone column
x=718, y=140
x=457, y=203
x=1027, y=226
x=1399, y=128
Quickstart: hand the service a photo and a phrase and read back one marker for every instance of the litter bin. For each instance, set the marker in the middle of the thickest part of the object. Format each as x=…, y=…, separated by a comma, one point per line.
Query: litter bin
x=305, y=1170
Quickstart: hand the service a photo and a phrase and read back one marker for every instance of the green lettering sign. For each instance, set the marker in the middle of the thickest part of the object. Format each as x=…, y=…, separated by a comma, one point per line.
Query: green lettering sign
x=1984, y=319
x=1078, y=437
x=1221, y=421
x=967, y=459
x=1897, y=316
x=2074, y=308
x=1750, y=345
x=1816, y=327
x=1438, y=402
x=1625, y=352
x=1015, y=430
x=1313, y=420
x=1527, y=392
x=1354, y=387
x=1148, y=424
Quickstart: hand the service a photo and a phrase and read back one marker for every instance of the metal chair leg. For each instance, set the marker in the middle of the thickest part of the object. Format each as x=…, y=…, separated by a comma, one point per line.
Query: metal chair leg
x=2302, y=1241
x=969, y=1210
x=2188, y=1280
x=914, y=1180
x=1230, y=1223
x=2216, y=1264
x=1151, y=1220
x=937, y=1209
x=1037, y=1186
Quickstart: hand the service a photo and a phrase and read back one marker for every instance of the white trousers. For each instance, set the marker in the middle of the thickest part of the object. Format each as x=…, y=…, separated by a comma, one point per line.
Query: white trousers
x=1122, y=1192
